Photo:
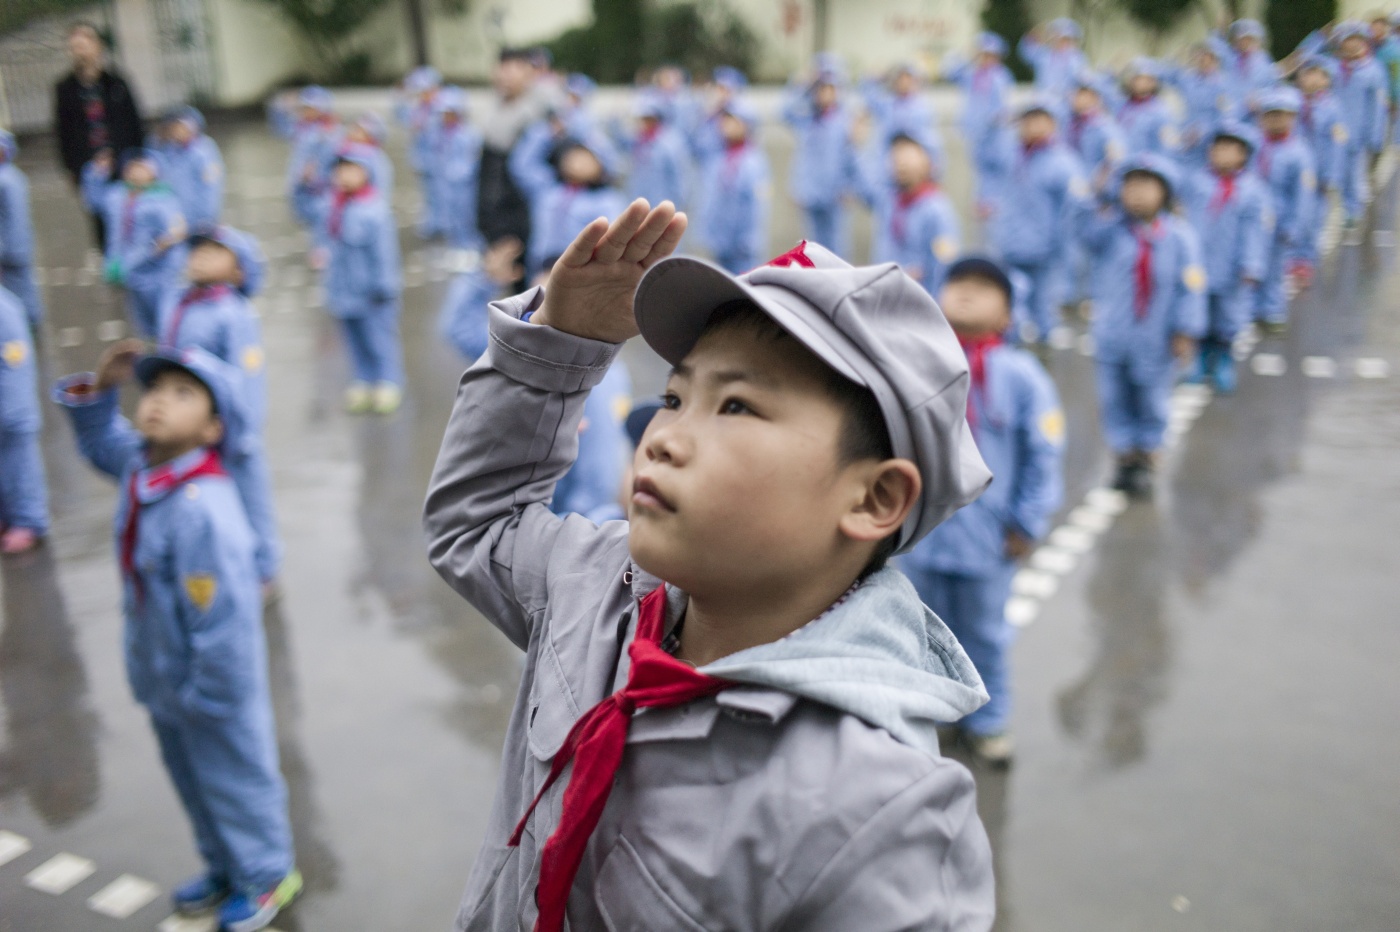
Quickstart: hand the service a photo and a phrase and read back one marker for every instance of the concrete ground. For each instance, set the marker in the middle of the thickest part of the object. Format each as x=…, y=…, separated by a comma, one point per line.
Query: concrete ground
x=1204, y=683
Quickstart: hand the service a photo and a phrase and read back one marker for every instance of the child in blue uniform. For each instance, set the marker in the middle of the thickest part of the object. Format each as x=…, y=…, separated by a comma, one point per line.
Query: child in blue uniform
x=452, y=172
x=1321, y=123
x=1149, y=311
x=986, y=82
x=568, y=185
x=901, y=108
x=369, y=132
x=17, y=234
x=24, y=497
x=1232, y=212
x=1030, y=205
x=212, y=311
x=418, y=112
x=466, y=308
x=192, y=165
x=1285, y=163
x=963, y=569
x=915, y=225
x=145, y=231
x=659, y=158
x=1093, y=134
x=195, y=653
x=314, y=143
x=1363, y=93
x=1206, y=97
x=1148, y=124
x=364, y=283
x=1249, y=69
x=823, y=161
x=737, y=192
x=727, y=86
x=1054, y=54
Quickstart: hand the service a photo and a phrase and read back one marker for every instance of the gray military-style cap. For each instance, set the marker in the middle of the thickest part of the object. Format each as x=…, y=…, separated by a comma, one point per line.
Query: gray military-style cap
x=873, y=324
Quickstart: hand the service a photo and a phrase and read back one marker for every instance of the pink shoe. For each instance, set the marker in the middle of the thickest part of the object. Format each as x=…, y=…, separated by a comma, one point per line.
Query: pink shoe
x=18, y=540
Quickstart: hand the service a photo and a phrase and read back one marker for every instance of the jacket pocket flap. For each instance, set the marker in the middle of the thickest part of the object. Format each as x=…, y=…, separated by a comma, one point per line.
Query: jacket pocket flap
x=631, y=900
x=552, y=708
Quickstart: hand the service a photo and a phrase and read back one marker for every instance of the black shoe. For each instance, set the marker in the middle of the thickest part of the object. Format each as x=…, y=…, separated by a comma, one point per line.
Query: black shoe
x=1140, y=480
x=1123, y=476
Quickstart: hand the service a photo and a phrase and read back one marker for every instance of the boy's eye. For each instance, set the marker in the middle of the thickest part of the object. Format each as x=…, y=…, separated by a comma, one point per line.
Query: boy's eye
x=671, y=401
x=734, y=406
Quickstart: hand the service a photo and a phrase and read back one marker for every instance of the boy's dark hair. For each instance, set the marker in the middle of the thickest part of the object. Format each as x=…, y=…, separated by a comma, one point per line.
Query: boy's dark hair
x=982, y=269
x=863, y=435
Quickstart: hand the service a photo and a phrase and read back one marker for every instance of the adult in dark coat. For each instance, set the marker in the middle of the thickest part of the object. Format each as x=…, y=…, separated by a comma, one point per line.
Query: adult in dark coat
x=94, y=109
x=520, y=100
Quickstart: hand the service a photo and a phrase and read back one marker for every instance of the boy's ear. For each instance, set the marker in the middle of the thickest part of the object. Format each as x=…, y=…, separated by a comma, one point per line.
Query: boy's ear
x=213, y=431
x=890, y=490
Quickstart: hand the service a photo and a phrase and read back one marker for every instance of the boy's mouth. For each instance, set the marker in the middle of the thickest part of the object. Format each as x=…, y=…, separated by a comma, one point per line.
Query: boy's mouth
x=645, y=494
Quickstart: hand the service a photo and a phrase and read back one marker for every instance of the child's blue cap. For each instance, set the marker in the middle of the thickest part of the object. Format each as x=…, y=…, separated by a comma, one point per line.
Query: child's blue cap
x=373, y=126
x=638, y=418
x=649, y=104
x=1150, y=163
x=920, y=136
x=316, y=97
x=1143, y=66
x=580, y=85
x=743, y=110
x=136, y=154
x=1216, y=46
x=1281, y=97
x=1065, y=28
x=977, y=266
x=245, y=250
x=220, y=378
x=1324, y=63
x=1090, y=80
x=1242, y=133
x=730, y=77
x=9, y=147
x=1246, y=29
x=421, y=79
x=452, y=100
x=989, y=43
x=829, y=63
x=361, y=155
x=1039, y=103
x=184, y=114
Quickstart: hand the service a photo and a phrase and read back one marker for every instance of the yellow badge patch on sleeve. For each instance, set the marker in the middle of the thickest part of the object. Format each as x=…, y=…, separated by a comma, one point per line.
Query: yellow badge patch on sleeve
x=252, y=358
x=945, y=248
x=1307, y=181
x=1339, y=134
x=1169, y=136
x=621, y=407
x=1078, y=187
x=1194, y=278
x=1052, y=426
x=1112, y=151
x=201, y=589
x=14, y=353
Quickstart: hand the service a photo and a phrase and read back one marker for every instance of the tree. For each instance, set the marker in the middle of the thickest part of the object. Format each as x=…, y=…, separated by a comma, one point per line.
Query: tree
x=327, y=26
x=1009, y=19
x=16, y=14
x=627, y=35
x=1290, y=21
x=1157, y=16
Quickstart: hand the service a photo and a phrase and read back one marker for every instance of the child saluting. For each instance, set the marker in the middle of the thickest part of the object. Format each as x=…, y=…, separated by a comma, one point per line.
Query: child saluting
x=730, y=705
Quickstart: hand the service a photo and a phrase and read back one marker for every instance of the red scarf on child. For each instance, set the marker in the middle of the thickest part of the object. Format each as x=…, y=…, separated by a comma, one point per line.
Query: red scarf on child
x=595, y=745
x=906, y=200
x=976, y=350
x=339, y=203
x=195, y=294
x=157, y=482
x=1142, y=272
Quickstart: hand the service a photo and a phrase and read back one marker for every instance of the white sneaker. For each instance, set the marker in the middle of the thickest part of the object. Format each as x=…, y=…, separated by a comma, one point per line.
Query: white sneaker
x=358, y=399
x=387, y=398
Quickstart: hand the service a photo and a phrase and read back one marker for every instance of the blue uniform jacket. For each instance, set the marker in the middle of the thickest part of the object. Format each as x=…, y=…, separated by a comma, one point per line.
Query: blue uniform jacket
x=593, y=484
x=824, y=160
x=136, y=221
x=1096, y=139
x=1286, y=166
x=736, y=198
x=1364, y=96
x=985, y=90
x=452, y=174
x=1055, y=70
x=1034, y=196
x=194, y=637
x=314, y=145
x=1236, y=234
x=19, y=405
x=1322, y=125
x=17, y=241
x=1248, y=75
x=1208, y=100
x=909, y=114
x=660, y=167
x=423, y=124
x=462, y=321
x=222, y=323
x=1148, y=125
x=918, y=231
x=364, y=275
x=1176, y=304
x=196, y=174
x=1020, y=433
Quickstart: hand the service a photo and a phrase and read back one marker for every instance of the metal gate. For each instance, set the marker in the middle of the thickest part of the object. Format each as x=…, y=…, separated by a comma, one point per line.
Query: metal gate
x=182, y=42
x=32, y=60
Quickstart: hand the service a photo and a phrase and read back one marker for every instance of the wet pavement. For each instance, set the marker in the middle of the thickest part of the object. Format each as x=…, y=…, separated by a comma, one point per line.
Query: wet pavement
x=1205, y=698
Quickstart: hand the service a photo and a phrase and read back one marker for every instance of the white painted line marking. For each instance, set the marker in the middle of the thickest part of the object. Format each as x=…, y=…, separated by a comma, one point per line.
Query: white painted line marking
x=69, y=337
x=1268, y=364
x=1021, y=611
x=60, y=873
x=178, y=923
x=12, y=846
x=110, y=330
x=1073, y=539
x=1318, y=367
x=1035, y=584
x=1061, y=338
x=1383, y=239
x=1053, y=560
x=58, y=277
x=1090, y=520
x=1086, y=344
x=123, y=896
x=1109, y=501
x=1372, y=368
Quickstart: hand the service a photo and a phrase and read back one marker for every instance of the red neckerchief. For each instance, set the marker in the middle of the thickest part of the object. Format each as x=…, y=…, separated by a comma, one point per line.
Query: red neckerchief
x=733, y=152
x=1348, y=65
x=648, y=133
x=161, y=479
x=1077, y=122
x=595, y=746
x=339, y=203
x=981, y=75
x=1266, y=151
x=1224, y=191
x=195, y=294
x=906, y=200
x=976, y=350
x=1142, y=270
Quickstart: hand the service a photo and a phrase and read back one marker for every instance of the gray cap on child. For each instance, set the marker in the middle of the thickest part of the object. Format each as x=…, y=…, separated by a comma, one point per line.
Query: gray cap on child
x=873, y=324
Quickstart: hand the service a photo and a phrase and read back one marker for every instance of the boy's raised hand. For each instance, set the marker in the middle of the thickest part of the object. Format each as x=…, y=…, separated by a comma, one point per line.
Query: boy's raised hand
x=591, y=286
x=118, y=363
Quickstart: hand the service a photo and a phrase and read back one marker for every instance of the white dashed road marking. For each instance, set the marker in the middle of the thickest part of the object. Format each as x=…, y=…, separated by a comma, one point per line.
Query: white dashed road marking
x=60, y=873
x=12, y=846
x=123, y=896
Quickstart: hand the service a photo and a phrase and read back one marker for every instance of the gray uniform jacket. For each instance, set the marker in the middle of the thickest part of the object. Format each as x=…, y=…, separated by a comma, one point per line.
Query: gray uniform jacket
x=812, y=797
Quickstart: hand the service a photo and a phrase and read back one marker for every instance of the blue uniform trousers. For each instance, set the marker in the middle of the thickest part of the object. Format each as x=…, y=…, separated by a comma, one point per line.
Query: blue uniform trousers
x=249, y=471
x=974, y=609
x=376, y=353
x=1046, y=293
x=24, y=497
x=1355, y=183
x=1134, y=403
x=826, y=224
x=226, y=773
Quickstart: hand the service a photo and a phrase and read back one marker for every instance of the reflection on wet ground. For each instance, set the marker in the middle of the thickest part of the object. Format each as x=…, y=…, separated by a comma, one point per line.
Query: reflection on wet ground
x=1202, y=708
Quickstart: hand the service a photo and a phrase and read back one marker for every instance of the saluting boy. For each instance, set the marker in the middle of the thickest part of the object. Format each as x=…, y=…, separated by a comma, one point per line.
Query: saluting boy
x=1321, y=123
x=1054, y=54
x=212, y=310
x=659, y=158
x=17, y=234
x=1149, y=311
x=900, y=107
x=453, y=171
x=364, y=283
x=1250, y=69
x=1285, y=163
x=195, y=653
x=24, y=496
x=568, y=184
x=824, y=159
x=314, y=143
x=368, y=131
x=736, y=193
x=1363, y=93
x=192, y=165
x=1148, y=124
x=814, y=425
x=145, y=231
x=1232, y=212
x=915, y=225
x=963, y=568
x=986, y=82
x=1206, y=96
